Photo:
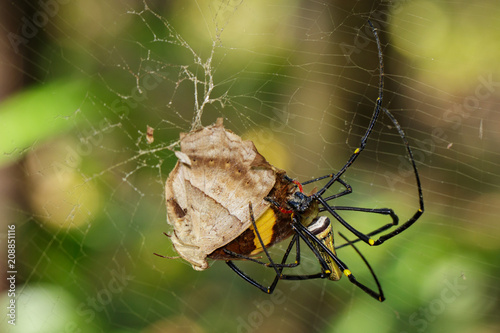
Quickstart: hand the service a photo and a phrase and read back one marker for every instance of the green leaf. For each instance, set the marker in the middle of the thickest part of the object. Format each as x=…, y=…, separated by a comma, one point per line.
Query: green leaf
x=38, y=114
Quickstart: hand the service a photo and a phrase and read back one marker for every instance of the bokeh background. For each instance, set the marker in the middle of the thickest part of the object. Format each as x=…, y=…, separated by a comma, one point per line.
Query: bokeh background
x=82, y=80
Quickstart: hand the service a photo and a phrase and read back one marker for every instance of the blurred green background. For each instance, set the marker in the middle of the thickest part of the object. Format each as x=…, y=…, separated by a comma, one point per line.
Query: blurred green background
x=82, y=80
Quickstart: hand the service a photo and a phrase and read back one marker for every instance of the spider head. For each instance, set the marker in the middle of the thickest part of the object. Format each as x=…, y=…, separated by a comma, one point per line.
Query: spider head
x=300, y=202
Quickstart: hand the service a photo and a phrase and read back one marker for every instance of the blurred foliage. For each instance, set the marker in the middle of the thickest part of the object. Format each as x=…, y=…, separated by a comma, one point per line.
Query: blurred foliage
x=36, y=115
x=90, y=212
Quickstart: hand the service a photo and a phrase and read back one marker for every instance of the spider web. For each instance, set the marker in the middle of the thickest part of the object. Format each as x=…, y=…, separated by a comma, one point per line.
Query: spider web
x=298, y=78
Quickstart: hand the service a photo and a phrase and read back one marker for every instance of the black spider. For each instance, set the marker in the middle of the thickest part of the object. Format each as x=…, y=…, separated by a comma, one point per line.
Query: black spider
x=300, y=212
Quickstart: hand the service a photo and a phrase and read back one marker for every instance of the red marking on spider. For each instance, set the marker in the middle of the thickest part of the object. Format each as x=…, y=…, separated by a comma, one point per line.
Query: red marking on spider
x=285, y=211
x=299, y=185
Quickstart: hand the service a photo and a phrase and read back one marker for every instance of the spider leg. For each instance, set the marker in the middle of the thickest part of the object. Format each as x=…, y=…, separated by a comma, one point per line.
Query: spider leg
x=375, y=115
x=380, y=295
x=402, y=227
x=267, y=290
x=420, y=209
x=270, y=289
x=295, y=240
x=306, y=236
x=325, y=270
x=357, y=151
x=268, y=264
x=278, y=268
x=348, y=189
x=382, y=211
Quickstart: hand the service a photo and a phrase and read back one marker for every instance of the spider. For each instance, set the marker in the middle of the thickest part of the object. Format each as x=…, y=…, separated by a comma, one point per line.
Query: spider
x=297, y=214
x=217, y=172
